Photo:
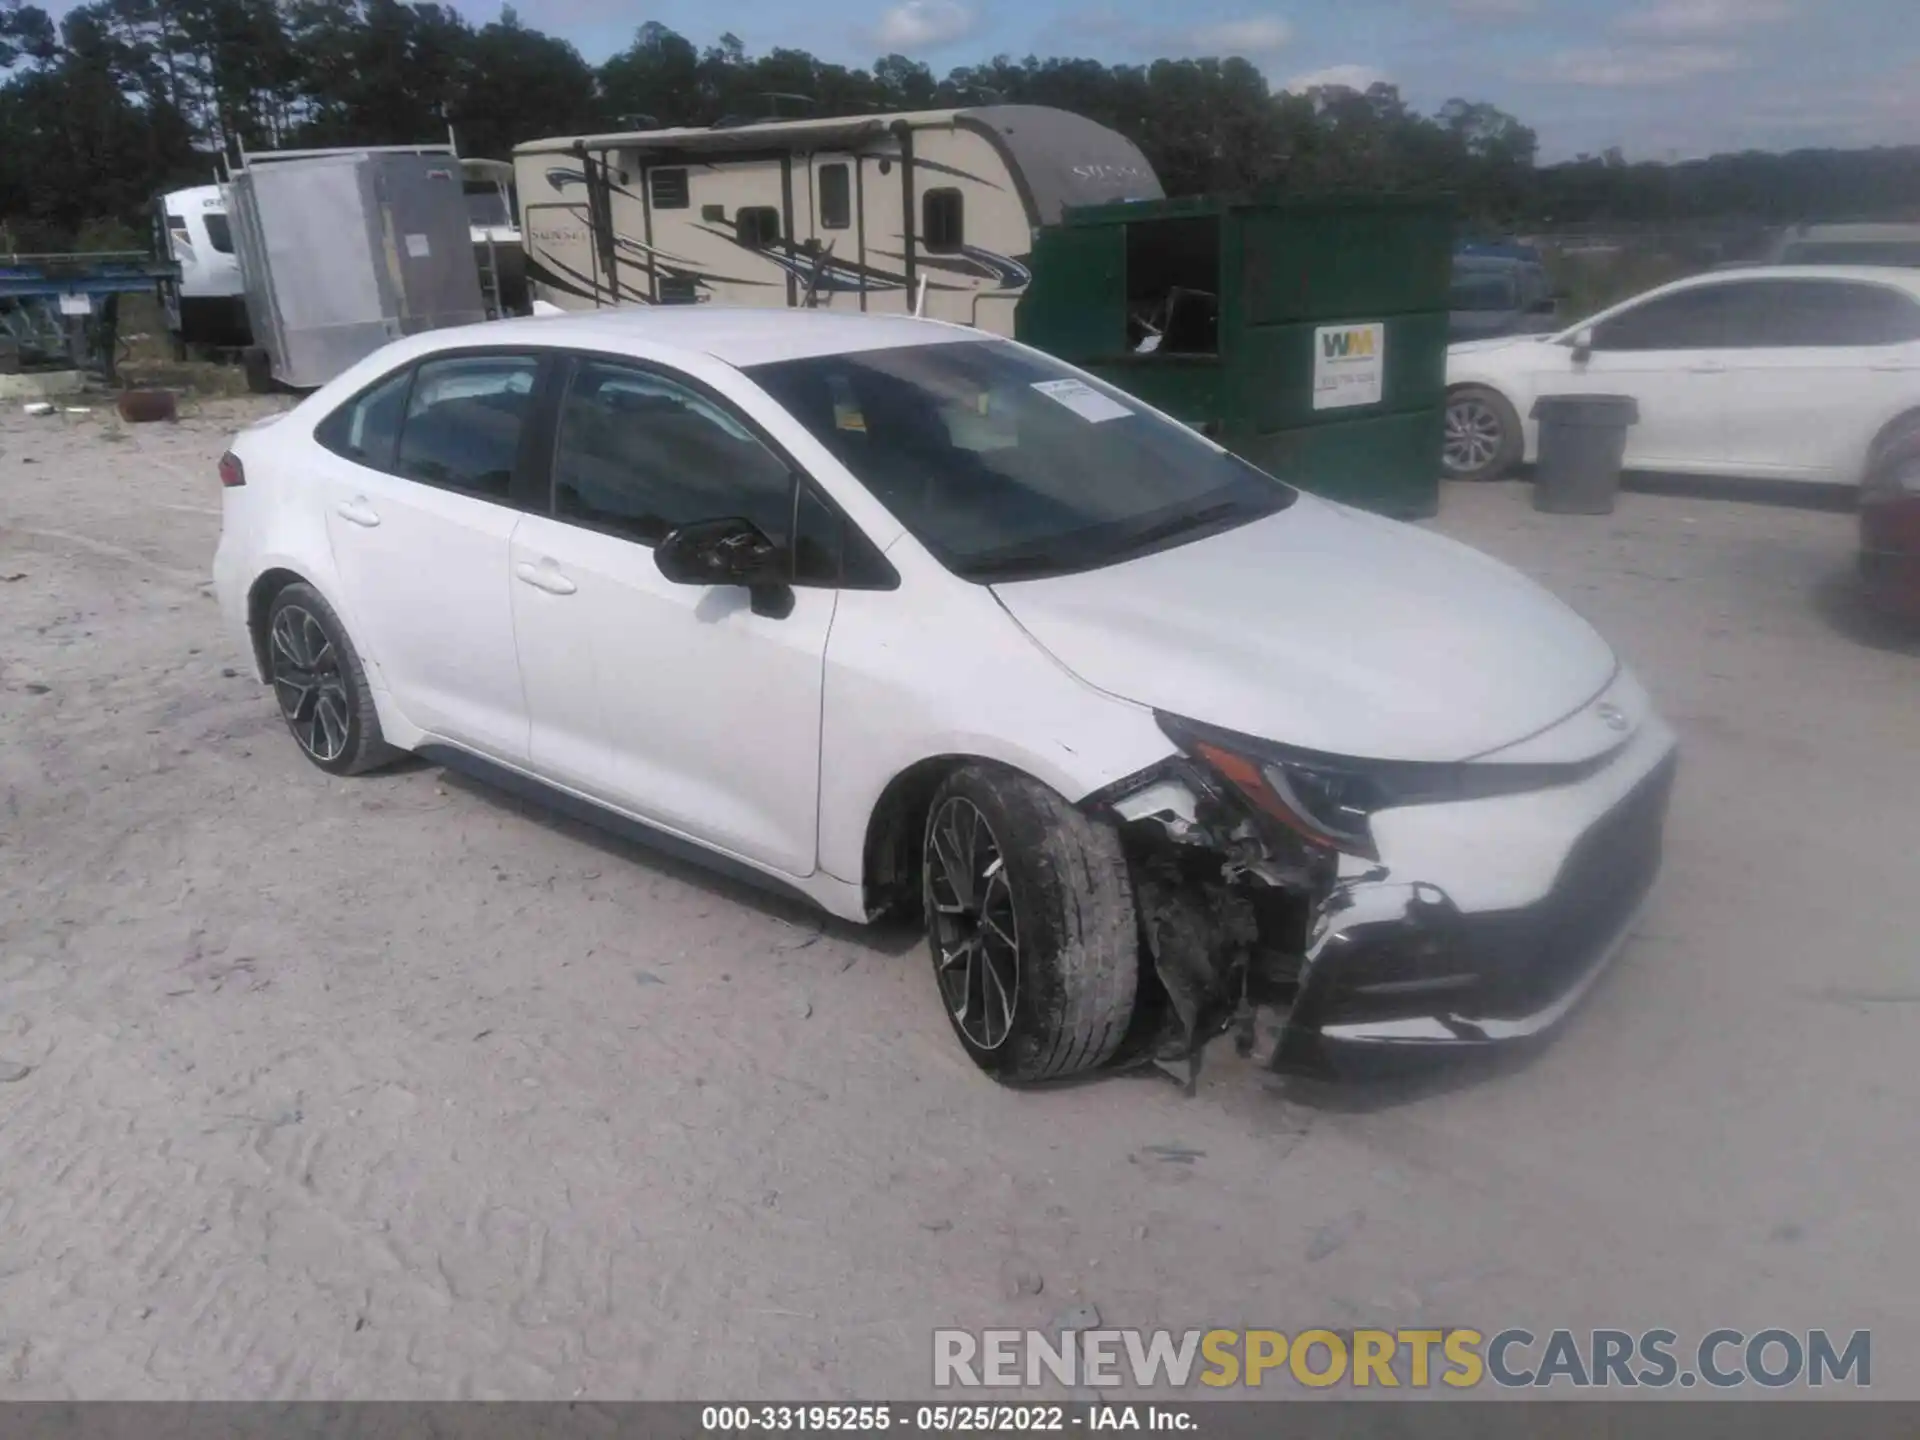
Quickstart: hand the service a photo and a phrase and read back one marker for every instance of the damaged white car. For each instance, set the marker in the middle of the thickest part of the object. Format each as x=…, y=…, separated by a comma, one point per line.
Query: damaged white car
x=906, y=618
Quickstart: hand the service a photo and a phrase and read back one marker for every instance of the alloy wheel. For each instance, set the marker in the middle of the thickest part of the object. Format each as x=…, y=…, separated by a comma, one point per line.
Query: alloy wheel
x=308, y=683
x=976, y=937
x=1473, y=438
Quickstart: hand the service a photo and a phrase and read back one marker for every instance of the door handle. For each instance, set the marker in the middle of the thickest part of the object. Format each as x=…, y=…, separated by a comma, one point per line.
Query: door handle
x=545, y=577
x=1897, y=367
x=1708, y=367
x=358, y=511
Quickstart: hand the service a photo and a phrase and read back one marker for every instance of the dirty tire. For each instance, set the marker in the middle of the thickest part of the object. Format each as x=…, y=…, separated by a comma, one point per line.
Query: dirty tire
x=1078, y=962
x=1478, y=401
x=340, y=675
x=258, y=369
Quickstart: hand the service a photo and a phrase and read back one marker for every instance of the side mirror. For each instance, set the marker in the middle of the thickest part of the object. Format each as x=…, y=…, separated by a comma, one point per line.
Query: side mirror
x=1583, y=345
x=733, y=551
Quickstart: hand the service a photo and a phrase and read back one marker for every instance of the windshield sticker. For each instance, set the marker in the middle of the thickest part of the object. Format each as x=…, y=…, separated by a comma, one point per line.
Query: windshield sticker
x=1081, y=398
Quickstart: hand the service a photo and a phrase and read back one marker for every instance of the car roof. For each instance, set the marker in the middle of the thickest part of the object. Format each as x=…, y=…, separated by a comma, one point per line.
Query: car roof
x=1896, y=276
x=737, y=335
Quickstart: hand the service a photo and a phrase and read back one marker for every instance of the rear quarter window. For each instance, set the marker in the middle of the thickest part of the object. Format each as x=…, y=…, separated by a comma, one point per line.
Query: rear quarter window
x=366, y=429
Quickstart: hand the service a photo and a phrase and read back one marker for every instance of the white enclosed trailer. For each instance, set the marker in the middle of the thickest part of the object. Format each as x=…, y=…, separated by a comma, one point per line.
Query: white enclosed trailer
x=344, y=250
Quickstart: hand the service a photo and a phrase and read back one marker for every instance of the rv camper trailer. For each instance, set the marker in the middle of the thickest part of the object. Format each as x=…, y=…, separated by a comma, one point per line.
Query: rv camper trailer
x=209, y=307
x=932, y=211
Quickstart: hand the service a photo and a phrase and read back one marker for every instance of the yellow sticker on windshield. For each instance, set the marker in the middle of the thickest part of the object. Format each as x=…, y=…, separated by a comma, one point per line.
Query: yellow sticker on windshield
x=847, y=414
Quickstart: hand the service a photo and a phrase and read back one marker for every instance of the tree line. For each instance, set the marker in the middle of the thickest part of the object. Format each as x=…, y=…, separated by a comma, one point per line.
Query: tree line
x=124, y=98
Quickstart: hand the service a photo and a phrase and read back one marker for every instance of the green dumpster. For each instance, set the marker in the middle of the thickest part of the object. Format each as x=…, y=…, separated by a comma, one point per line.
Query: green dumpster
x=1309, y=335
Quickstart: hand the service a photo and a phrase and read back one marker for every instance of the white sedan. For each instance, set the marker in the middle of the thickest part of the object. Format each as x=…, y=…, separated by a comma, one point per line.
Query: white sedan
x=903, y=618
x=1804, y=373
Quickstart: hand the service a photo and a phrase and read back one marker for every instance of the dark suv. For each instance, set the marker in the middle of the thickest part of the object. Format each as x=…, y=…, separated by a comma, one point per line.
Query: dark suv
x=1494, y=296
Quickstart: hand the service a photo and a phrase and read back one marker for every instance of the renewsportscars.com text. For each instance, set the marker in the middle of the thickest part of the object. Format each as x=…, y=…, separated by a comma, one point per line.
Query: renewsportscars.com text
x=1459, y=1359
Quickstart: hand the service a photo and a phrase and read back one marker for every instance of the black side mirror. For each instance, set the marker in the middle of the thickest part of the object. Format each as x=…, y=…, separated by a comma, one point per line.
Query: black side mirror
x=733, y=551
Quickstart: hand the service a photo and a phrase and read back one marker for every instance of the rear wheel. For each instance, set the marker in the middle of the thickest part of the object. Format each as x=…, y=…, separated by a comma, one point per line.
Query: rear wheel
x=321, y=685
x=1483, y=439
x=1030, y=921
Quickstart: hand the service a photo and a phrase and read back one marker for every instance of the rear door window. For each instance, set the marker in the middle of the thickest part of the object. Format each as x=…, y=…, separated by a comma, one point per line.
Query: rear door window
x=1819, y=314
x=465, y=418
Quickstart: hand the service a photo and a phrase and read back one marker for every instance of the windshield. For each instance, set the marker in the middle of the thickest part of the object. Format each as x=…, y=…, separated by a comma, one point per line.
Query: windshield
x=1007, y=465
x=486, y=205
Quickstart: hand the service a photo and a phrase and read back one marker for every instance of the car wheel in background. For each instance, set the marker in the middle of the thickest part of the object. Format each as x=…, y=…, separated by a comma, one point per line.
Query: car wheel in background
x=321, y=685
x=1030, y=921
x=1483, y=439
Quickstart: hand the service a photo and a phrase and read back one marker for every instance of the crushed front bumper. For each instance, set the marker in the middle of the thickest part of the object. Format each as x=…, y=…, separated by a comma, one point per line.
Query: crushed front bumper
x=1397, y=971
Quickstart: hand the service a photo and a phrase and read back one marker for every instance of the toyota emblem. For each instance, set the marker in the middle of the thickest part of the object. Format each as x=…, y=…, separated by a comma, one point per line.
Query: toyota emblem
x=1612, y=716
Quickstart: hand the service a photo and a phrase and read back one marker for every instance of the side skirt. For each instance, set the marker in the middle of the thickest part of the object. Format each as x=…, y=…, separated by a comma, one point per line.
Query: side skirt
x=587, y=812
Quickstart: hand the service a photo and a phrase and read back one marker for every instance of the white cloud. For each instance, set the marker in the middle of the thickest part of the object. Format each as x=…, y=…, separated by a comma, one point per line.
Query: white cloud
x=1702, y=19
x=1495, y=9
x=1350, y=77
x=1627, y=67
x=1254, y=35
x=1258, y=37
x=924, y=25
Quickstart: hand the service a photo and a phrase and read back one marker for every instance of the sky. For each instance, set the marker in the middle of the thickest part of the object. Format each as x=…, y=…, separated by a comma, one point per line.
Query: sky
x=1661, y=79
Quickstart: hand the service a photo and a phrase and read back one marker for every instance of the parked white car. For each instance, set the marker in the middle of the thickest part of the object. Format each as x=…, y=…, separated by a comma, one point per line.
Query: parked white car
x=1800, y=373
x=899, y=616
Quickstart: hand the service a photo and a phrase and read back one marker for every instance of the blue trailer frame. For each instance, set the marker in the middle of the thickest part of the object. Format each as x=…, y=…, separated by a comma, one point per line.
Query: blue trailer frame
x=62, y=311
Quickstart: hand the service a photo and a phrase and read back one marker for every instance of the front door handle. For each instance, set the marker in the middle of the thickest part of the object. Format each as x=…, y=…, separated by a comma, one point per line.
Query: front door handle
x=358, y=511
x=1708, y=367
x=545, y=577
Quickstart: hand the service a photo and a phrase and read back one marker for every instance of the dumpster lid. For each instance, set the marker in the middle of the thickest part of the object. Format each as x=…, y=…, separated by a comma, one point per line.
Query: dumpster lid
x=1587, y=409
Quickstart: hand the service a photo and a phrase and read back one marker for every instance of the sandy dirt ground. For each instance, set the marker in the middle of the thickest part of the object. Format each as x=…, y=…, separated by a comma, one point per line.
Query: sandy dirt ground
x=397, y=1087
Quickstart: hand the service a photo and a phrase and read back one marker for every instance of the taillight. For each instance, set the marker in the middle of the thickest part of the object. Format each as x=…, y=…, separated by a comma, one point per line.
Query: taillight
x=232, y=472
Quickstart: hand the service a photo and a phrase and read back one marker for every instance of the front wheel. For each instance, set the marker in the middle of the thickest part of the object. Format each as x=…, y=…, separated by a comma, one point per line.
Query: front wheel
x=1483, y=439
x=1030, y=921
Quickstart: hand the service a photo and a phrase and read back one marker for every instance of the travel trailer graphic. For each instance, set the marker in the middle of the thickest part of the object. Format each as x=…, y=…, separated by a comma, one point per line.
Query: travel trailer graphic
x=932, y=211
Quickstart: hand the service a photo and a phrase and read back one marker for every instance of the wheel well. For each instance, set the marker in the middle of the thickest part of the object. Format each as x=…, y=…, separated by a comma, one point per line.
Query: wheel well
x=891, y=866
x=1894, y=431
x=259, y=602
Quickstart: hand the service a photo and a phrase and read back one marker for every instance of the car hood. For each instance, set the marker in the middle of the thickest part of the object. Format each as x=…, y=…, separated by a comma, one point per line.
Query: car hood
x=1327, y=628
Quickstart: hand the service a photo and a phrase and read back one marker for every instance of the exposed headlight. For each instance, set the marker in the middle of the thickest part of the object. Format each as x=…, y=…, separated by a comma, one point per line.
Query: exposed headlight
x=1329, y=800
x=1324, y=801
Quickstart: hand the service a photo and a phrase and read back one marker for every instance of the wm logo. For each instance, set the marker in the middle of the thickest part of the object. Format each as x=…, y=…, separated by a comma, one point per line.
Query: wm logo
x=1347, y=344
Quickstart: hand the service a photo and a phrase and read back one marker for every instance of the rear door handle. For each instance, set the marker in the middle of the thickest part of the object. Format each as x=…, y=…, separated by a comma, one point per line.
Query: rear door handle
x=1708, y=367
x=358, y=511
x=545, y=577
x=1898, y=367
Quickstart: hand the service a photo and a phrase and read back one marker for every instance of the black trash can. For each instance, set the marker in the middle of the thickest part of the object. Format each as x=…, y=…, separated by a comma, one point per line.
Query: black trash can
x=1582, y=441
